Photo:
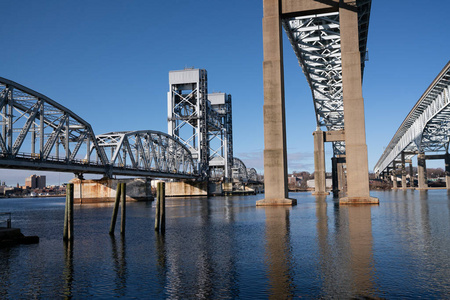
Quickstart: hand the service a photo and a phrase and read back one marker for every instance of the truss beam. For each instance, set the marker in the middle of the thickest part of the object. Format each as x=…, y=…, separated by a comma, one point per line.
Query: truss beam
x=426, y=128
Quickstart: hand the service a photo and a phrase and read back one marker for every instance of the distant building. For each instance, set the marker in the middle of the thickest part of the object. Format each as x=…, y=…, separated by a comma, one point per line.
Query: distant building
x=35, y=182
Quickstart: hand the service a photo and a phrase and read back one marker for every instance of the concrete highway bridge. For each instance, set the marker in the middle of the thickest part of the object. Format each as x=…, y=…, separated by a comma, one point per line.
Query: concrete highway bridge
x=425, y=132
x=329, y=39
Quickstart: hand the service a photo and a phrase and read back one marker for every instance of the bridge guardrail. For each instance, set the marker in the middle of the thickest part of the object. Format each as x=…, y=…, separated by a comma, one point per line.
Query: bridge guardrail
x=6, y=219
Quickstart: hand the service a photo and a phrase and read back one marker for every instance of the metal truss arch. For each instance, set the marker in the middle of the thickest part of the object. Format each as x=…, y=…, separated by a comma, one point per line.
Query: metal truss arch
x=147, y=150
x=37, y=128
x=252, y=175
x=239, y=170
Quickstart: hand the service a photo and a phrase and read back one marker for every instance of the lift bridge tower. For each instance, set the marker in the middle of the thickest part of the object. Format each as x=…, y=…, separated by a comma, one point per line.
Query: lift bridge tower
x=202, y=122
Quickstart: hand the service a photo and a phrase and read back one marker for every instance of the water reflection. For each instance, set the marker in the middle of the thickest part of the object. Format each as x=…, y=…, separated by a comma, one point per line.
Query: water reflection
x=346, y=251
x=362, y=266
x=120, y=264
x=68, y=269
x=199, y=259
x=278, y=253
x=161, y=262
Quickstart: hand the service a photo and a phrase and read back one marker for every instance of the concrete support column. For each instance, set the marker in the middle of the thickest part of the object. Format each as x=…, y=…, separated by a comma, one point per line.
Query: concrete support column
x=394, y=176
x=447, y=170
x=355, y=132
x=394, y=179
x=411, y=175
x=403, y=172
x=334, y=177
x=422, y=171
x=275, y=155
x=341, y=178
x=319, y=164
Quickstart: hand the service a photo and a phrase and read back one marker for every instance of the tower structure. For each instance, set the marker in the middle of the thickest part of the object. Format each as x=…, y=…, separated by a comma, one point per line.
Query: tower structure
x=200, y=121
x=221, y=140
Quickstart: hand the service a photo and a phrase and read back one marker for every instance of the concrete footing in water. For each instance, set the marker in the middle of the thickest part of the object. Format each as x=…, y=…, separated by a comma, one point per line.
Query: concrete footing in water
x=104, y=190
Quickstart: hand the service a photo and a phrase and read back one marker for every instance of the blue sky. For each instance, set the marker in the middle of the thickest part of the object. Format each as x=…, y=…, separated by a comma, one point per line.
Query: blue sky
x=108, y=61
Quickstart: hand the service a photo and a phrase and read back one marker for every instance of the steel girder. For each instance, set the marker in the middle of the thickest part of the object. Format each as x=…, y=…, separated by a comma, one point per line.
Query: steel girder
x=30, y=119
x=426, y=128
x=147, y=150
x=317, y=44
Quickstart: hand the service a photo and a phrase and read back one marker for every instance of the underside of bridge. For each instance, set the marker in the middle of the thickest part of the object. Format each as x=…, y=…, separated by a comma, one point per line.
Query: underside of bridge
x=331, y=54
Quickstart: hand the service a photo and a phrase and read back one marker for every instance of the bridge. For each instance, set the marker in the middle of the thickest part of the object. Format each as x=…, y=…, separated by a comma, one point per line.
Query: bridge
x=424, y=132
x=38, y=133
x=329, y=39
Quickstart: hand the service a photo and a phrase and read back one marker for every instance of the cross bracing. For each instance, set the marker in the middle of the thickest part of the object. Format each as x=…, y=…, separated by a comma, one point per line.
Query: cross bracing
x=427, y=126
x=317, y=44
x=201, y=121
x=147, y=150
x=40, y=134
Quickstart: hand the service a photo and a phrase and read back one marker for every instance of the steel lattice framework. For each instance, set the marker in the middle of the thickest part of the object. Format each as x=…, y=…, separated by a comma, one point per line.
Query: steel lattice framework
x=63, y=138
x=221, y=139
x=147, y=150
x=203, y=126
x=239, y=170
x=317, y=44
x=252, y=174
x=39, y=133
x=427, y=126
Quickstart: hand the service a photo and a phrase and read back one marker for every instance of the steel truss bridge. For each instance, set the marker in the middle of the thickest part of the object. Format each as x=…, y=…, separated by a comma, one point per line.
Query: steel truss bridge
x=426, y=128
x=37, y=133
x=316, y=42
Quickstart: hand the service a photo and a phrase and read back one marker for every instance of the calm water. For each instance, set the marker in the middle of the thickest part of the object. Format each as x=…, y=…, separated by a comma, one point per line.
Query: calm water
x=226, y=248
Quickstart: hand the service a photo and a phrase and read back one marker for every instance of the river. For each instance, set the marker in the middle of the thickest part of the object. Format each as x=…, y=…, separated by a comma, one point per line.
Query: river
x=227, y=248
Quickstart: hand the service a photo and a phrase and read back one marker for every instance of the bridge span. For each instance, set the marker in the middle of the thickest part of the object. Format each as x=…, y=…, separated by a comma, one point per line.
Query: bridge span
x=329, y=39
x=38, y=133
x=425, y=132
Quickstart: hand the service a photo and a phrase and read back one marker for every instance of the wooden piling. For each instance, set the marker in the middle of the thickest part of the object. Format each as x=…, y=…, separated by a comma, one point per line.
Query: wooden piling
x=66, y=218
x=68, y=214
x=163, y=206
x=157, y=206
x=116, y=209
x=123, y=215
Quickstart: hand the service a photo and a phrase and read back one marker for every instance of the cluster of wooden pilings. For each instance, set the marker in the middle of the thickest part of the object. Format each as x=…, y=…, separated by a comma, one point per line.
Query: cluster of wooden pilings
x=121, y=195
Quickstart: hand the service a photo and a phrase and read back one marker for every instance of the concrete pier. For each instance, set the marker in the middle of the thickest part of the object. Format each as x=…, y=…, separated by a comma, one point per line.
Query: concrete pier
x=355, y=132
x=186, y=188
x=403, y=166
x=275, y=154
x=421, y=172
x=104, y=190
x=319, y=164
x=447, y=171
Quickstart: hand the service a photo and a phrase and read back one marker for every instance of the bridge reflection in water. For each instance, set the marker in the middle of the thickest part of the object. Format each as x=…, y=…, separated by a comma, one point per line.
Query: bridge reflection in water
x=344, y=252
x=225, y=247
